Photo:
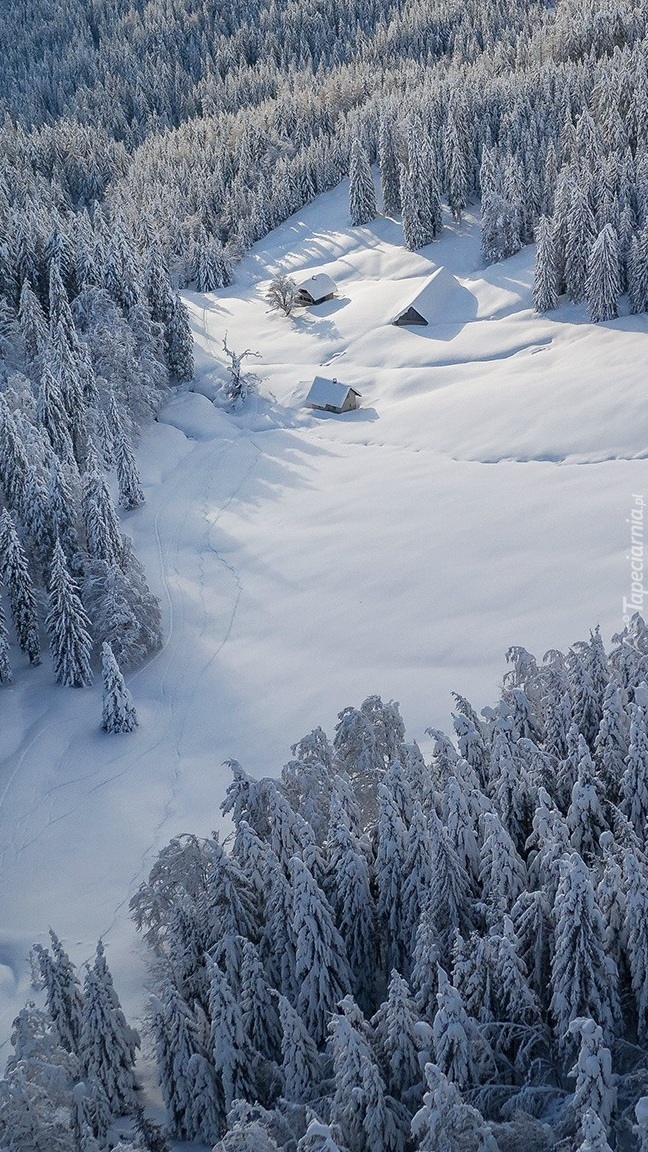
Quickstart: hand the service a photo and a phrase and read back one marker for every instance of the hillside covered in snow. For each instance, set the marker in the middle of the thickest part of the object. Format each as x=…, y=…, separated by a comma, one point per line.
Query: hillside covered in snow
x=251, y=570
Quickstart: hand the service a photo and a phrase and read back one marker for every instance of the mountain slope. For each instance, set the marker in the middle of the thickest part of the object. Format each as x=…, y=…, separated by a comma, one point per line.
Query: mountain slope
x=477, y=499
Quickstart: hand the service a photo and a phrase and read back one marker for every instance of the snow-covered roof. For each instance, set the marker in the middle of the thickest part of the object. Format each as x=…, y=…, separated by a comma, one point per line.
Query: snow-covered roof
x=317, y=286
x=323, y=391
x=434, y=299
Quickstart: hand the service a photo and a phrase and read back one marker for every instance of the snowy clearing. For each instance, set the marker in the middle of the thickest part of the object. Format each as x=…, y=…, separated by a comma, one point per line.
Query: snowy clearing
x=478, y=499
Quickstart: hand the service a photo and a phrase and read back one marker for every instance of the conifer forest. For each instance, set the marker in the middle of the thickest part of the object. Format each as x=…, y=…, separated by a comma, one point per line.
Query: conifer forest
x=383, y=951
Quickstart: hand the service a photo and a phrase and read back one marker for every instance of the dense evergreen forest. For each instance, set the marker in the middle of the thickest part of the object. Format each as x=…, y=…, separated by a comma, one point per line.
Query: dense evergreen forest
x=387, y=954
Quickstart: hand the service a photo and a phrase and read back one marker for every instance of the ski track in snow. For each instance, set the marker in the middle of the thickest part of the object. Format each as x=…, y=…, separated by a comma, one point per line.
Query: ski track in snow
x=207, y=547
x=164, y=663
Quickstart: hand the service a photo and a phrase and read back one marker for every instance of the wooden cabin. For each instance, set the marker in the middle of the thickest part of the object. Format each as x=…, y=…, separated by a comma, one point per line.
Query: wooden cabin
x=315, y=290
x=331, y=396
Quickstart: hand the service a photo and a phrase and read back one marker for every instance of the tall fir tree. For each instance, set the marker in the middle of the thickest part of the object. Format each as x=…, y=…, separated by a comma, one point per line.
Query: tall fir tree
x=603, y=284
x=300, y=1063
x=545, y=281
x=118, y=710
x=6, y=676
x=634, y=782
x=580, y=236
x=362, y=194
x=103, y=537
x=389, y=166
x=179, y=341
x=322, y=974
x=14, y=569
x=107, y=1044
x=68, y=626
x=584, y=980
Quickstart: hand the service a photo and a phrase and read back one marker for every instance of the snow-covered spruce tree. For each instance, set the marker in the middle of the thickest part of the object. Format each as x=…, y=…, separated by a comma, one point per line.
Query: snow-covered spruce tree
x=611, y=744
x=362, y=194
x=5, y=665
x=358, y=1106
x=545, y=280
x=418, y=867
x=502, y=872
x=259, y=1007
x=124, y=611
x=581, y=233
x=60, y=315
x=14, y=464
x=178, y=1043
x=348, y=888
x=389, y=869
x=586, y=703
x=414, y=233
x=103, y=535
x=603, y=284
x=211, y=269
x=592, y=1071
x=52, y=416
x=584, y=980
x=68, y=626
x=636, y=938
x=30, y=1120
x=32, y=322
x=389, y=166
x=159, y=292
x=399, y=1038
x=445, y=1121
x=62, y=510
x=518, y=1005
x=585, y=817
x=278, y=943
x=300, y=1063
x=472, y=747
x=508, y=783
x=118, y=710
x=611, y=898
x=320, y=1137
x=230, y=1051
x=451, y=1036
x=638, y=273
x=204, y=1114
x=428, y=949
x=288, y=833
x=641, y=1127
x=128, y=477
x=634, y=783
x=63, y=992
x=227, y=903
x=456, y=165
x=107, y=1045
x=179, y=341
x=593, y=1133
x=322, y=973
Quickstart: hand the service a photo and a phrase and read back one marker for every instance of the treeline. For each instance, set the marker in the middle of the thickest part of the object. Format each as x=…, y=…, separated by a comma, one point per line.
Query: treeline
x=215, y=125
x=395, y=954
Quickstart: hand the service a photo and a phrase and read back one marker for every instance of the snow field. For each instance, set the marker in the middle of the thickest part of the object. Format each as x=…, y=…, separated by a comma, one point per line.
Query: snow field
x=478, y=499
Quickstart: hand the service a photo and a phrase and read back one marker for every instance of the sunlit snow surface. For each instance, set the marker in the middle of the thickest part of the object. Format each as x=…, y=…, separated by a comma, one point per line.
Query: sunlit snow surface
x=478, y=499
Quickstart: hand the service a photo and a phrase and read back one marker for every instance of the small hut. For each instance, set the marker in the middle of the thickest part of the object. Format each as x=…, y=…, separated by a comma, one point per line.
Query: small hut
x=331, y=396
x=315, y=290
x=431, y=301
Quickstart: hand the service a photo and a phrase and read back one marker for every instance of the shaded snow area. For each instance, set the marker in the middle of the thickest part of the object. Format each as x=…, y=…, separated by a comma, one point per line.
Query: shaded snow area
x=479, y=498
